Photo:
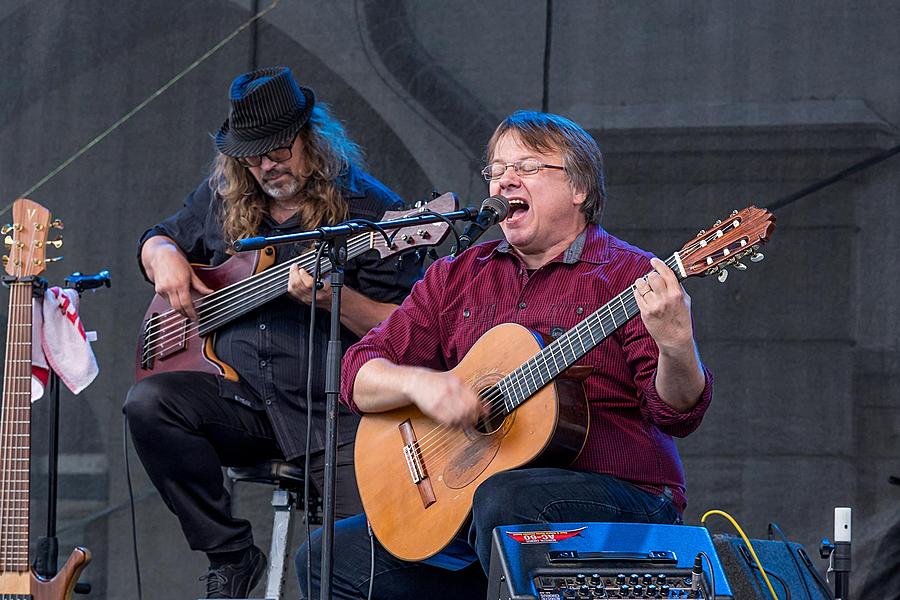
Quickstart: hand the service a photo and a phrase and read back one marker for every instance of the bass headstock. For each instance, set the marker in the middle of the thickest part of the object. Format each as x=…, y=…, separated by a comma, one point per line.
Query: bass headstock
x=26, y=239
x=417, y=236
x=727, y=242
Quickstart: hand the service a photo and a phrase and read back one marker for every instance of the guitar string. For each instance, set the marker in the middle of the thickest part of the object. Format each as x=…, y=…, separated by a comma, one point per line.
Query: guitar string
x=235, y=291
x=537, y=362
x=170, y=326
x=266, y=285
x=439, y=447
x=5, y=436
x=494, y=397
x=541, y=360
x=14, y=543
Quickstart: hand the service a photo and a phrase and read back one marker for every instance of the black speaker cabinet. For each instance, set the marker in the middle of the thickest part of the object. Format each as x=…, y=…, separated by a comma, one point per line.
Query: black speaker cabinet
x=788, y=562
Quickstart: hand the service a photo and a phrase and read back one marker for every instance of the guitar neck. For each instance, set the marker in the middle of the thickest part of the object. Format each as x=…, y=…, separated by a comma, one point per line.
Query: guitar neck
x=224, y=306
x=563, y=352
x=15, y=433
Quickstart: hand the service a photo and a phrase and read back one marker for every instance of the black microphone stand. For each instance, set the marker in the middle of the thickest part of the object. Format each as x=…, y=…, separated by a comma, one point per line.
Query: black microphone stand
x=338, y=257
x=46, y=562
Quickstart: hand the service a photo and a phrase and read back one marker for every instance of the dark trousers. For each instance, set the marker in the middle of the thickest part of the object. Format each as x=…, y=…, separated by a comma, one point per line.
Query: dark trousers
x=508, y=498
x=184, y=433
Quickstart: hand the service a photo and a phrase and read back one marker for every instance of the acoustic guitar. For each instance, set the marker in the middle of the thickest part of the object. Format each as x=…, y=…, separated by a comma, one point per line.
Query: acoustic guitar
x=417, y=477
x=27, y=241
x=171, y=342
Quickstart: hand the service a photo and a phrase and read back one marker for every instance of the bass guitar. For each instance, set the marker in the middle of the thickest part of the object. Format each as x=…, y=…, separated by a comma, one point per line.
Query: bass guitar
x=27, y=242
x=417, y=477
x=170, y=341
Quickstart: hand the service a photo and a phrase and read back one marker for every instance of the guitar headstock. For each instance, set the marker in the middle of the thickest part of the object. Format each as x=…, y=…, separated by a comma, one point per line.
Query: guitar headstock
x=728, y=241
x=26, y=239
x=417, y=236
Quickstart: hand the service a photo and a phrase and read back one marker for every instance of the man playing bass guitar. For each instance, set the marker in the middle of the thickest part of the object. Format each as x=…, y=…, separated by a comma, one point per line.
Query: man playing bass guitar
x=284, y=165
x=555, y=267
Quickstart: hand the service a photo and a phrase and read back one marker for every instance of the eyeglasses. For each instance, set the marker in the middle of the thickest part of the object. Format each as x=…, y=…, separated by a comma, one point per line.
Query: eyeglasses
x=522, y=167
x=277, y=155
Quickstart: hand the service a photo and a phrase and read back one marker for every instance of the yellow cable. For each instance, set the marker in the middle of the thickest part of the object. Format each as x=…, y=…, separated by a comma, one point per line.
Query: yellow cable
x=746, y=541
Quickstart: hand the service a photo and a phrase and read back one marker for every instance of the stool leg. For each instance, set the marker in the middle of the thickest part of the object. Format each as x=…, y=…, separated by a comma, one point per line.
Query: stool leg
x=283, y=503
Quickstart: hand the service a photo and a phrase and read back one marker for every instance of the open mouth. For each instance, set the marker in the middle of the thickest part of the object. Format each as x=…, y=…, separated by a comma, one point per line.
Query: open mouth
x=517, y=210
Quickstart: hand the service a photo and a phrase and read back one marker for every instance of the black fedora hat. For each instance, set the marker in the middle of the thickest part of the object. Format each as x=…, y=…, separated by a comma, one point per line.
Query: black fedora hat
x=268, y=108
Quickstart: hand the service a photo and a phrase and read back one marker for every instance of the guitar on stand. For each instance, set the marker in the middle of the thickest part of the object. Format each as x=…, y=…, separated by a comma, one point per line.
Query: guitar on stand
x=27, y=241
x=172, y=342
x=417, y=478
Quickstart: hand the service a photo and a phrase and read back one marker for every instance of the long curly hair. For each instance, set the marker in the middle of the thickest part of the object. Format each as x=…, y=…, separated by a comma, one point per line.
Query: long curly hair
x=328, y=154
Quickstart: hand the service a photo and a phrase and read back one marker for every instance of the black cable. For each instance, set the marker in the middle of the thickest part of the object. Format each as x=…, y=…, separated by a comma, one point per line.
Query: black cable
x=712, y=576
x=745, y=554
x=812, y=569
x=310, y=353
x=548, y=42
x=774, y=527
x=855, y=168
x=137, y=563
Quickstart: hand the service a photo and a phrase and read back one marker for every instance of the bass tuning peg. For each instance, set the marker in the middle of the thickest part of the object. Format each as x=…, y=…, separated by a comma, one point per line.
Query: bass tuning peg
x=723, y=275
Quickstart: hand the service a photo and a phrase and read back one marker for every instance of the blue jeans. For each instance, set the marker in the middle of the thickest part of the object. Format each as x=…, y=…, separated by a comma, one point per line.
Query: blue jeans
x=508, y=498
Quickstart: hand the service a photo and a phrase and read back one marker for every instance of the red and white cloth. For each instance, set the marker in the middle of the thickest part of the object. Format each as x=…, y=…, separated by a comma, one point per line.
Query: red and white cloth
x=59, y=341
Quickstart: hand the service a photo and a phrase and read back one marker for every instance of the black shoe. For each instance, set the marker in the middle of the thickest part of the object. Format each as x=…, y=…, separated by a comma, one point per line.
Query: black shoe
x=236, y=580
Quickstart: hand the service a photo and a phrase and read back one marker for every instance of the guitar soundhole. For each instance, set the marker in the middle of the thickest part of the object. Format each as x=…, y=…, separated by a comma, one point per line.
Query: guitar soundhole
x=493, y=421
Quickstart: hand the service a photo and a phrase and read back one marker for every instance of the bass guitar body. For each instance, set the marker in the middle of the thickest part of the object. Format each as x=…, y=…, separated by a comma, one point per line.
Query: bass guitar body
x=170, y=342
x=416, y=519
x=28, y=585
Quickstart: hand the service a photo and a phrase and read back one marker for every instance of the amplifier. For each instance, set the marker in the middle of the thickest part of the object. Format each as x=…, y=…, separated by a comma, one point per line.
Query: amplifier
x=583, y=561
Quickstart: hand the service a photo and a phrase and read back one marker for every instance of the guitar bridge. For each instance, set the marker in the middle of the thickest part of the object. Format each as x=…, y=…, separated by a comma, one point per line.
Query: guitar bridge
x=417, y=471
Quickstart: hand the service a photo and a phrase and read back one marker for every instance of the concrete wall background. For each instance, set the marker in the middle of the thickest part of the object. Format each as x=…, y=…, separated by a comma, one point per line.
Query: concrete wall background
x=700, y=107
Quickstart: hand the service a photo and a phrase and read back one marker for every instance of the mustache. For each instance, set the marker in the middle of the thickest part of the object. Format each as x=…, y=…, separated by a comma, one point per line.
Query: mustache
x=275, y=174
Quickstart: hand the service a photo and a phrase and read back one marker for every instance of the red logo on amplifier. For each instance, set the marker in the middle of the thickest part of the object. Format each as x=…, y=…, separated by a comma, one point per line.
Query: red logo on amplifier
x=543, y=537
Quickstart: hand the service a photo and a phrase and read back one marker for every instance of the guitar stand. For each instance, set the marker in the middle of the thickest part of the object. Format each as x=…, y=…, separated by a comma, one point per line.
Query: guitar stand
x=47, y=555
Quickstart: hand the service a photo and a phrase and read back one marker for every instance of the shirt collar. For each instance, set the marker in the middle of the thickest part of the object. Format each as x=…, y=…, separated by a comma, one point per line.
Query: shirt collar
x=591, y=245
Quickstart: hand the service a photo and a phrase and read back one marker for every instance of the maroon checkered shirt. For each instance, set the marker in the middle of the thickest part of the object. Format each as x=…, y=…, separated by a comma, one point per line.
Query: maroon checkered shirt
x=459, y=299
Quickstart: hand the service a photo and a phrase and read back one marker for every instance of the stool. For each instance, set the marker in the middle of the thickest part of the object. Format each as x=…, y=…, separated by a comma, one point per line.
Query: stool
x=288, y=481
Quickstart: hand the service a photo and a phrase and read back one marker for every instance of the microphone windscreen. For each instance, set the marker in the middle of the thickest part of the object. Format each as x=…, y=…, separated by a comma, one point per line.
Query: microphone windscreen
x=499, y=204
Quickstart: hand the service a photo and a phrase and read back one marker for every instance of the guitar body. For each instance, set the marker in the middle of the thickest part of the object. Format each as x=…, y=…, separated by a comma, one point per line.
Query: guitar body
x=550, y=428
x=180, y=348
x=28, y=584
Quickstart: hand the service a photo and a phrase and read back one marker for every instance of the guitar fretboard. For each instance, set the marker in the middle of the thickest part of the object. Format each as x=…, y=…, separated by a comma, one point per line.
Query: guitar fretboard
x=562, y=353
x=15, y=433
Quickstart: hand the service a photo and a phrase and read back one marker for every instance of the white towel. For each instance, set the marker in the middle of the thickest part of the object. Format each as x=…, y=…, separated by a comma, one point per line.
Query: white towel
x=58, y=341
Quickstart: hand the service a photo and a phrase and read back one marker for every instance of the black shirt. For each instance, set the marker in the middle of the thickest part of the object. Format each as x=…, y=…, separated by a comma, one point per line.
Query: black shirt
x=268, y=346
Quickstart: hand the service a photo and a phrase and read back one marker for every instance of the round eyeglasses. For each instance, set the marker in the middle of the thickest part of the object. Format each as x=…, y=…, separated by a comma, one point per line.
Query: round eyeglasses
x=278, y=155
x=522, y=167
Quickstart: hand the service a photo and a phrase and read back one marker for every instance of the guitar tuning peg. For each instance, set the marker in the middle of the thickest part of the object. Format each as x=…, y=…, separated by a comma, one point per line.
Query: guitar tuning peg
x=723, y=275
x=6, y=229
x=57, y=224
x=9, y=241
x=757, y=256
x=57, y=243
x=740, y=266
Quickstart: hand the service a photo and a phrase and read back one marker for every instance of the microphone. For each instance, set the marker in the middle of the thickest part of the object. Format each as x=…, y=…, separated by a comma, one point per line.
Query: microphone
x=493, y=210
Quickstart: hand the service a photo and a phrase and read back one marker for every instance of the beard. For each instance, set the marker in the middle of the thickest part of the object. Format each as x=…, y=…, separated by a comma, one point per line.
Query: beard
x=285, y=190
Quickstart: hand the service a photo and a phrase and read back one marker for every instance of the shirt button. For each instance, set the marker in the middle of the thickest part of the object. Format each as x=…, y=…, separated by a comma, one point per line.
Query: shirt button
x=466, y=313
x=262, y=363
x=262, y=325
x=579, y=310
x=269, y=402
x=521, y=305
